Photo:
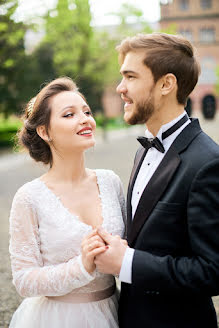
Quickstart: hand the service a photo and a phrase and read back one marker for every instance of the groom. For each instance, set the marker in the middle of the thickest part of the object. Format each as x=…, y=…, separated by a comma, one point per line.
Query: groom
x=171, y=268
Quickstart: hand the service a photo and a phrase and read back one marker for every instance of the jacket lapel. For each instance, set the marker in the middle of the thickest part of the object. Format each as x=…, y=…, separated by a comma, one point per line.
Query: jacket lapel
x=160, y=180
x=137, y=164
x=153, y=192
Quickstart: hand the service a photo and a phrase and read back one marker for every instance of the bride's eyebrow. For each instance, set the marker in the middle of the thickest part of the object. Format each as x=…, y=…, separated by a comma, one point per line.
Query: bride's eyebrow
x=73, y=107
x=66, y=107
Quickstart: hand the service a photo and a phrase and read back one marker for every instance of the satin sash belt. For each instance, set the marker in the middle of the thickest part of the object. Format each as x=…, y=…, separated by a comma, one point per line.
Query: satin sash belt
x=85, y=297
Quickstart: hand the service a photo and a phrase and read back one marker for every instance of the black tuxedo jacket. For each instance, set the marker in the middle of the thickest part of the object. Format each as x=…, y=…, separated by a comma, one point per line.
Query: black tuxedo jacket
x=175, y=234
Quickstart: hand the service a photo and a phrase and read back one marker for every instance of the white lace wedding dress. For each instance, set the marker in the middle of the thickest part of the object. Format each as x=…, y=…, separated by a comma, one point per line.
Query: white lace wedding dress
x=45, y=255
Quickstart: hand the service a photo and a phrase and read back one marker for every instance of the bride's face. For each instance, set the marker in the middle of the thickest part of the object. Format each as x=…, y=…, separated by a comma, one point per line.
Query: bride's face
x=72, y=125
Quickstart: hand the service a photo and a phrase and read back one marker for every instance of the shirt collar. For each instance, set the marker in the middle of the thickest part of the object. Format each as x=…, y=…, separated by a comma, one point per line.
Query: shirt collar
x=163, y=128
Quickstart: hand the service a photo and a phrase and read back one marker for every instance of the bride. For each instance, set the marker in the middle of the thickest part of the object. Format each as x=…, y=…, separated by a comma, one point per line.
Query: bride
x=53, y=220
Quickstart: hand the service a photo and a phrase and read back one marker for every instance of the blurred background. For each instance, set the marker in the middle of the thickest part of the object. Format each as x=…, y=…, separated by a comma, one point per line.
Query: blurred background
x=41, y=40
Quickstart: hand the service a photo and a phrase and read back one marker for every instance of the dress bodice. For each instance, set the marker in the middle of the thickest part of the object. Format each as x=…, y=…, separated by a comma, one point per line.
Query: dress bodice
x=45, y=243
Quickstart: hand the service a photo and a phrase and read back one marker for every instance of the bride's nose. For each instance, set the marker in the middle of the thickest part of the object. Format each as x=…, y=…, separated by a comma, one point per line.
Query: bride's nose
x=83, y=118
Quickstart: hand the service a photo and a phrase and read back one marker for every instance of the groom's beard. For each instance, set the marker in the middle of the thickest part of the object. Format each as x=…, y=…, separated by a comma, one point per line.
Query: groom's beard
x=142, y=112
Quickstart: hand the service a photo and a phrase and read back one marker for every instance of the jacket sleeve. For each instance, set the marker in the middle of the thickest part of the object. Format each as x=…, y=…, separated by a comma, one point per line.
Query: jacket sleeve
x=30, y=276
x=198, y=273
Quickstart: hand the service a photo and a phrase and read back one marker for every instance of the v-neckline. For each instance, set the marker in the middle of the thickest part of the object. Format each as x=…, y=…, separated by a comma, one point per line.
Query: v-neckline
x=73, y=215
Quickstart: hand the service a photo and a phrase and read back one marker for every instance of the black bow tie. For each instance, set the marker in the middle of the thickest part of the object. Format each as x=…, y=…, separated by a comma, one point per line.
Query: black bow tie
x=156, y=143
x=148, y=143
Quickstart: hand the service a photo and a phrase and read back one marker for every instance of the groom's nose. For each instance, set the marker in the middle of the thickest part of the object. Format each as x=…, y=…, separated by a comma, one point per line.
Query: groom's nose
x=121, y=88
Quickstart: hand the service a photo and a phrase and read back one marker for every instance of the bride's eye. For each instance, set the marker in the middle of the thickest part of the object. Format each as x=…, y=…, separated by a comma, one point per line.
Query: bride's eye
x=88, y=112
x=68, y=115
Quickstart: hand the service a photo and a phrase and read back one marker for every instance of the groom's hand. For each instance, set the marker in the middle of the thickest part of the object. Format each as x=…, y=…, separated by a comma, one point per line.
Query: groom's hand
x=111, y=260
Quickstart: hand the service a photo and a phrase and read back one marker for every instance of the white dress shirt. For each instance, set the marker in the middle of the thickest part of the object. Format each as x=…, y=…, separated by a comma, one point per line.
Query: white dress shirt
x=148, y=167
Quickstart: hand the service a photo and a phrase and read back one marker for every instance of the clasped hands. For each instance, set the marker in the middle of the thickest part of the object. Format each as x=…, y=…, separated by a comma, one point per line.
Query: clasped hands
x=103, y=251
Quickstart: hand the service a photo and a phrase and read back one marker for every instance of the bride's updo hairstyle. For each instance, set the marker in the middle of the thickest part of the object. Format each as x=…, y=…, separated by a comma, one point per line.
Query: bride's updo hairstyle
x=37, y=113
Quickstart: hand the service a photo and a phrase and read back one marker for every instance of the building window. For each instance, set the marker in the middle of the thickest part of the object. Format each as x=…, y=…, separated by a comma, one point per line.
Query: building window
x=184, y=5
x=186, y=33
x=207, y=35
x=206, y=4
x=208, y=70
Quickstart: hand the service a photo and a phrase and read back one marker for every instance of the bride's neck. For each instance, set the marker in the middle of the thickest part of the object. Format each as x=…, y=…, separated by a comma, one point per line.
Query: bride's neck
x=69, y=169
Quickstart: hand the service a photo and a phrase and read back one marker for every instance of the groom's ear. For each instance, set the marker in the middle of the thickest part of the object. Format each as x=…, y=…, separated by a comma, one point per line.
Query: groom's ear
x=168, y=83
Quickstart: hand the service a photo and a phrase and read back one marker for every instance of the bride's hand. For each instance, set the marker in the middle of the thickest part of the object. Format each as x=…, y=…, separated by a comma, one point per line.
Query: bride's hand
x=91, y=246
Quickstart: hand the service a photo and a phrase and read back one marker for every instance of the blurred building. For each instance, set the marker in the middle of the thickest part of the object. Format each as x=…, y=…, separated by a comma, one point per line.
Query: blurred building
x=198, y=21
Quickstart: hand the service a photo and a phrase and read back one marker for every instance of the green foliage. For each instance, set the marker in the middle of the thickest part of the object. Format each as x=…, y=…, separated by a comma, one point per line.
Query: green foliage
x=110, y=123
x=75, y=48
x=128, y=13
x=116, y=123
x=131, y=21
x=38, y=70
x=68, y=32
x=171, y=29
x=8, y=130
x=12, y=56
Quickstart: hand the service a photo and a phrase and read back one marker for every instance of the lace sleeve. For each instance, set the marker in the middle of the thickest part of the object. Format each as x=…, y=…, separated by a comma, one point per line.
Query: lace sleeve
x=121, y=197
x=30, y=277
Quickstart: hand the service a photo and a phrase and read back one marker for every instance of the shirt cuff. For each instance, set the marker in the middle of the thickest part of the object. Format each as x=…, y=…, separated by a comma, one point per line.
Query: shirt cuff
x=126, y=268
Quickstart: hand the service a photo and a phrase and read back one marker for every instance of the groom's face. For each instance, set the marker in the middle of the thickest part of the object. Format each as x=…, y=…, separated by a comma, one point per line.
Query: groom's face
x=137, y=88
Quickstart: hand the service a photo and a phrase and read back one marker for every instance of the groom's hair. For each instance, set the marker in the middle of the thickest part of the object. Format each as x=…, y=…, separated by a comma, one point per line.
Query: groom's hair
x=166, y=53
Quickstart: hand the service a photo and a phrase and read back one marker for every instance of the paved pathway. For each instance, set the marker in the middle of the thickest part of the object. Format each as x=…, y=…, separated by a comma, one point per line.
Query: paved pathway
x=15, y=169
